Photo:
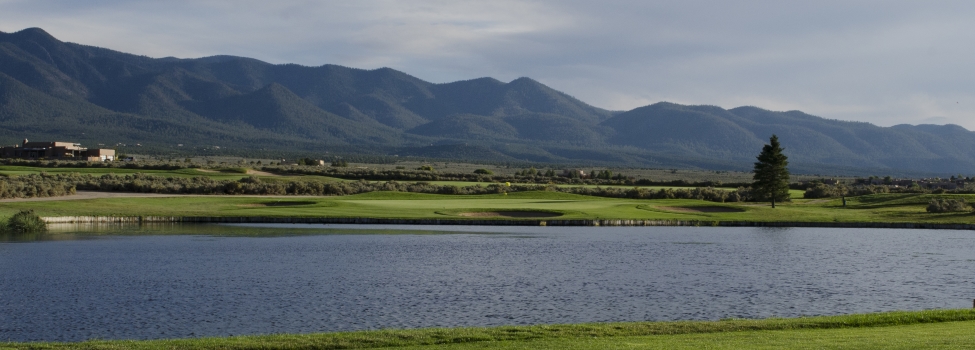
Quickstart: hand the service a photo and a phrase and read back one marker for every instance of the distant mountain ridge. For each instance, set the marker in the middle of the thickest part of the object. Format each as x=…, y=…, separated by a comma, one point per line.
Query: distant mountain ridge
x=56, y=90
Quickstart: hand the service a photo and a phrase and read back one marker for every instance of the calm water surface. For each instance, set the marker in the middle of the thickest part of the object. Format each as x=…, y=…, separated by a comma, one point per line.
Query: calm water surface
x=193, y=281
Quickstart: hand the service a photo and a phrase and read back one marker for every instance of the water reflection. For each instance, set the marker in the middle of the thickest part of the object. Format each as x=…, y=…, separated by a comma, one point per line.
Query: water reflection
x=166, y=281
x=71, y=231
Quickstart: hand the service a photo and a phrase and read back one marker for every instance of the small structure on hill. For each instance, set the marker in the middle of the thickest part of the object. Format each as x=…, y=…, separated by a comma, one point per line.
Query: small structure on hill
x=56, y=150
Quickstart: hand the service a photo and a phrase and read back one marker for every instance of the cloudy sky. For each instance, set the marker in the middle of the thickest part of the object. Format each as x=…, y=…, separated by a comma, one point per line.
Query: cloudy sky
x=884, y=62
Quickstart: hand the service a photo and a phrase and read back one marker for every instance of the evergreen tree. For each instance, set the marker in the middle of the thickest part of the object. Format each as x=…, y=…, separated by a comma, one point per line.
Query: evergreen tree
x=771, y=175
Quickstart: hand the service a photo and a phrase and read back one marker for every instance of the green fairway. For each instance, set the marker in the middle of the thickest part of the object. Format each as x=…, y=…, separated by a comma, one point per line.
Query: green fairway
x=943, y=329
x=884, y=208
x=953, y=335
x=794, y=194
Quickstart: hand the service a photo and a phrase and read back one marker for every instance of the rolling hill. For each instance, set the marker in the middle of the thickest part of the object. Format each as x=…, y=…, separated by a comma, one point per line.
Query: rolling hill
x=51, y=89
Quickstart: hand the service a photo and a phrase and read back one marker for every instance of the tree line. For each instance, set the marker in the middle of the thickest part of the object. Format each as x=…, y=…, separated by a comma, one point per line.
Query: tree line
x=549, y=176
x=53, y=185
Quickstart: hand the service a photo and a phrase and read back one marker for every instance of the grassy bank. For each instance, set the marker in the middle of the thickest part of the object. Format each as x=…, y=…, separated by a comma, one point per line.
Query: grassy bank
x=881, y=208
x=920, y=329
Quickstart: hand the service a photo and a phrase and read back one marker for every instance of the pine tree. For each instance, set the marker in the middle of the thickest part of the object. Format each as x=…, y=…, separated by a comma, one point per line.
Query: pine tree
x=771, y=172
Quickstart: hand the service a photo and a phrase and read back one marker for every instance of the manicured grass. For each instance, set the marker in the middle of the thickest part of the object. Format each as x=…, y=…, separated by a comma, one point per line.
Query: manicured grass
x=886, y=208
x=919, y=329
x=794, y=194
x=952, y=335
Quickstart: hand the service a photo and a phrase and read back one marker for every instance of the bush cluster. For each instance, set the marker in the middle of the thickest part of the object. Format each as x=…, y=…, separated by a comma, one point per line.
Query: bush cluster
x=835, y=191
x=941, y=205
x=428, y=173
x=825, y=191
x=701, y=193
x=29, y=186
x=25, y=221
x=340, y=169
x=64, y=184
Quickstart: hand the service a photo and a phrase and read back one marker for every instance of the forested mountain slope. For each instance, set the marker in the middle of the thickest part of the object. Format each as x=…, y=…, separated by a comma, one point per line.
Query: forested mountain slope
x=51, y=89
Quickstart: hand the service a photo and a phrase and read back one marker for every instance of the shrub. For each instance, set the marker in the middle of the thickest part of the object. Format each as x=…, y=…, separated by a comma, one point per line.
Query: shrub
x=483, y=171
x=940, y=205
x=25, y=221
x=824, y=191
x=425, y=168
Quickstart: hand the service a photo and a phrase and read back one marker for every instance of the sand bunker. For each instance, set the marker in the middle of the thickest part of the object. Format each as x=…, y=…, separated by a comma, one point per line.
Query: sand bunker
x=260, y=173
x=714, y=209
x=510, y=214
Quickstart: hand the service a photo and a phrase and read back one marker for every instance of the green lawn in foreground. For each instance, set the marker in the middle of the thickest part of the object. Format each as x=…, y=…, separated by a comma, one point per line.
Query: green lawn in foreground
x=874, y=208
x=946, y=329
x=953, y=335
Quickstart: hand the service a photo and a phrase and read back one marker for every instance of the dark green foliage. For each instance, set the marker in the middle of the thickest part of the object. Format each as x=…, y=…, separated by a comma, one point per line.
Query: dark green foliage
x=772, y=173
x=425, y=168
x=825, y=191
x=308, y=161
x=255, y=186
x=528, y=172
x=941, y=205
x=483, y=171
x=607, y=175
x=341, y=163
x=468, y=127
x=25, y=221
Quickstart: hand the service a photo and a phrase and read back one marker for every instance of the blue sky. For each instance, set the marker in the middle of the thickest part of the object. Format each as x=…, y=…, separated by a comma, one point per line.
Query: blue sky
x=884, y=62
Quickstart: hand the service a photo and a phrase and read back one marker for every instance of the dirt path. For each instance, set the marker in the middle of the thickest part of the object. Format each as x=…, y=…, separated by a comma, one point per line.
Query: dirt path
x=249, y=172
x=260, y=173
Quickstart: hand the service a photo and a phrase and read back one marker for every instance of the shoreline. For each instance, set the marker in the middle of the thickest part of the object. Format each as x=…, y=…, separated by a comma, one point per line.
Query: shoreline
x=950, y=322
x=490, y=222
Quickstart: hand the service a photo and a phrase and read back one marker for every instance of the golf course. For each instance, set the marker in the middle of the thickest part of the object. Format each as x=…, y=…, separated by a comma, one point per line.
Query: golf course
x=879, y=208
x=947, y=329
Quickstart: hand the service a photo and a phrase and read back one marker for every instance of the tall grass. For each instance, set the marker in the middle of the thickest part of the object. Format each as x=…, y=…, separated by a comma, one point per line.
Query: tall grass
x=25, y=221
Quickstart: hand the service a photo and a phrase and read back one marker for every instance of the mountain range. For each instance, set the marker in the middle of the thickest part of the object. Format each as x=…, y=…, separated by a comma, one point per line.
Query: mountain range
x=54, y=90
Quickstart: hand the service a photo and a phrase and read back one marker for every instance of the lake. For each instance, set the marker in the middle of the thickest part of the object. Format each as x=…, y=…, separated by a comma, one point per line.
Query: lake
x=178, y=281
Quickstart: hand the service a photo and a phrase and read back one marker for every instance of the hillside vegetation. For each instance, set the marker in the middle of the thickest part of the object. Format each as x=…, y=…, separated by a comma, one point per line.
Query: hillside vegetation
x=53, y=90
